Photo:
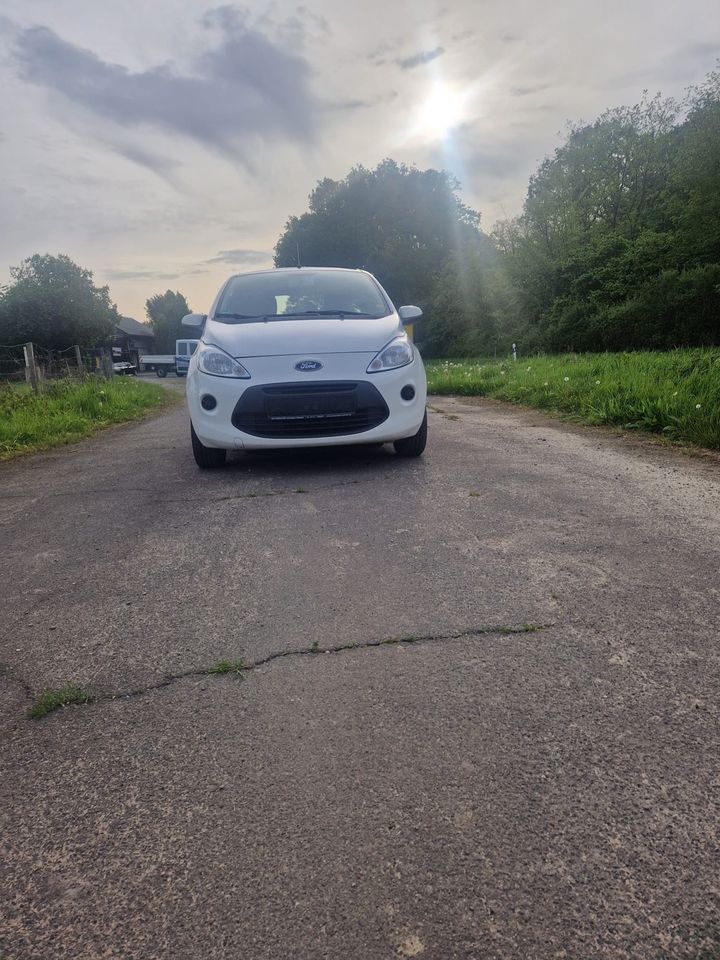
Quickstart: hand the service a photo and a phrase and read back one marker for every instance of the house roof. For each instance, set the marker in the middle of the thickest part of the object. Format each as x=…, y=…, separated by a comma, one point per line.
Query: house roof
x=133, y=328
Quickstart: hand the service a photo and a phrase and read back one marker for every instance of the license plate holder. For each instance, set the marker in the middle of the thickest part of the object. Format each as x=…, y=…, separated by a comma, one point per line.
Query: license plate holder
x=310, y=407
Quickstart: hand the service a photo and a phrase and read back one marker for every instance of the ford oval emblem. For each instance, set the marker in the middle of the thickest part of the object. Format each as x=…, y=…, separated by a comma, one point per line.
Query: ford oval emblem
x=307, y=366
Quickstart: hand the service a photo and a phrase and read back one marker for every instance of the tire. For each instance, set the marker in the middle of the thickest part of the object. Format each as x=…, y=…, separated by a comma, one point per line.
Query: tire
x=413, y=446
x=207, y=458
x=161, y=372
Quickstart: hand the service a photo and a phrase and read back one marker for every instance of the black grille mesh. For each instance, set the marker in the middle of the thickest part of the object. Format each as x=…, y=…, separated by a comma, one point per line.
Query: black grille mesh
x=325, y=408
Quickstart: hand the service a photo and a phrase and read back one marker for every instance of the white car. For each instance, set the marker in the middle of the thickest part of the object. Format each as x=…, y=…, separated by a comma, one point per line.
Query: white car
x=304, y=357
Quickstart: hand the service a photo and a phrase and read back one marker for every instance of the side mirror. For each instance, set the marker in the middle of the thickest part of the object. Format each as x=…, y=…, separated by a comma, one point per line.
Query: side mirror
x=194, y=320
x=409, y=317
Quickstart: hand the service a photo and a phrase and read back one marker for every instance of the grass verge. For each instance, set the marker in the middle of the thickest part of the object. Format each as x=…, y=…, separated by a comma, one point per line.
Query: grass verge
x=674, y=393
x=67, y=410
x=50, y=700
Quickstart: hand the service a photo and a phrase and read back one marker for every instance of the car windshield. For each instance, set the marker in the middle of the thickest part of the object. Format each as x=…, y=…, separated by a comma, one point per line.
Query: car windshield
x=301, y=293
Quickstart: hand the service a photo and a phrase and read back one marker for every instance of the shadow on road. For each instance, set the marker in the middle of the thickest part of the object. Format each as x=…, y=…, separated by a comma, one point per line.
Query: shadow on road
x=362, y=460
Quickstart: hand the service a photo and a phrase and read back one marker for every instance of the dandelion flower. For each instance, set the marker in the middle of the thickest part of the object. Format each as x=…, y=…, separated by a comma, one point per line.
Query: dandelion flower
x=546, y=383
x=698, y=406
x=567, y=379
x=597, y=383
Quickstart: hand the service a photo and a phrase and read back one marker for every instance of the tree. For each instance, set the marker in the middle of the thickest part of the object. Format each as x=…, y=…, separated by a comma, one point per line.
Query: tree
x=402, y=224
x=396, y=221
x=54, y=303
x=696, y=176
x=165, y=312
x=618, y=246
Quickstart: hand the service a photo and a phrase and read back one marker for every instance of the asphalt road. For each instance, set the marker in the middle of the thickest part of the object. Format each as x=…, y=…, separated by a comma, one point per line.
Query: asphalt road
x=477, y=790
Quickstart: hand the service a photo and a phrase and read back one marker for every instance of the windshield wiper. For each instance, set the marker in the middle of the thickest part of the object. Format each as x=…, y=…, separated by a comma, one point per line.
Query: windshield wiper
x=239, y=316
x=331, y=313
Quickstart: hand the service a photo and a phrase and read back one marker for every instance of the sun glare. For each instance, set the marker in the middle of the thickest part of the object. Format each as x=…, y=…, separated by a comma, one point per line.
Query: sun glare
x=440, y=113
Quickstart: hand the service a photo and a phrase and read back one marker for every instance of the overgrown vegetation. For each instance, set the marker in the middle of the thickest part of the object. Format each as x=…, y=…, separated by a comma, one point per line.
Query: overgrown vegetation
x=50, y=700
x=66, y=410
x=675, y=393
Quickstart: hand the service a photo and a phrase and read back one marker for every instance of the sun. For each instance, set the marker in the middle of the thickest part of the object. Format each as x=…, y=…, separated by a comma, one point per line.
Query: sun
x=440, y=113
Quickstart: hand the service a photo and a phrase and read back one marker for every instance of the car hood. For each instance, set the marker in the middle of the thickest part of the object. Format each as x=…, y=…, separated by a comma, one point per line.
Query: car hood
x=302, y=336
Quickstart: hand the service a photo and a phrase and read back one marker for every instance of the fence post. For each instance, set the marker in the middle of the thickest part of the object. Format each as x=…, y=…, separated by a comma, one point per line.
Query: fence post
x=78, y=359
x=31, y=372
x=106, y=363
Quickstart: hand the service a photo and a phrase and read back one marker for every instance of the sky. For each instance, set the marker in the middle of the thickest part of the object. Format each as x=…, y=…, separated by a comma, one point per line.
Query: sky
x=165, y=144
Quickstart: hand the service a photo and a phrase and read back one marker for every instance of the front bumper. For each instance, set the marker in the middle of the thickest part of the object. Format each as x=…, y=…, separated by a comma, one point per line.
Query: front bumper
x=280, y=407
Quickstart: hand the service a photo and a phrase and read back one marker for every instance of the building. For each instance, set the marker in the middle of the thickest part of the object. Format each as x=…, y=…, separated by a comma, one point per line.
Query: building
x=132, y=340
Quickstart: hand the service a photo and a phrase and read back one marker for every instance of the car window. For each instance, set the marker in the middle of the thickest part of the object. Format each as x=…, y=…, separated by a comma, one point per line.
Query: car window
x=301, y=293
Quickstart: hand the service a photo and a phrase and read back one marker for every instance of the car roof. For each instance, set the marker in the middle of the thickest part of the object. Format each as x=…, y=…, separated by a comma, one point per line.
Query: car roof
x=255, y=273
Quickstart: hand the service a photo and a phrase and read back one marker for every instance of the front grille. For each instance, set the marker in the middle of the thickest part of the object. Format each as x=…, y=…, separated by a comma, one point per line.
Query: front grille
x=325, y=408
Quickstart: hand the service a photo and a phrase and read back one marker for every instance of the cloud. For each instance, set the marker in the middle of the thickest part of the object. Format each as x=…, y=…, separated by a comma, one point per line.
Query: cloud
x=529, y=89
x=495, y=163
x=245, y=87
x=243, y=258
x=113, y=274
x=117, y=275
x=378, y=55
x=163, y=166
x=417, y=59
x=386, y=97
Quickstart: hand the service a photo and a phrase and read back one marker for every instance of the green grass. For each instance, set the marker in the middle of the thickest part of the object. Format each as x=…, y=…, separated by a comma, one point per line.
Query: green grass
x=50, y=700
x=228, y=666
x=67, y=410
x=674, y=393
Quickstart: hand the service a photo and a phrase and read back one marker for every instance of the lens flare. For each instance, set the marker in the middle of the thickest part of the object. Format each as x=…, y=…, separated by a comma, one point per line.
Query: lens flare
x=441, y=113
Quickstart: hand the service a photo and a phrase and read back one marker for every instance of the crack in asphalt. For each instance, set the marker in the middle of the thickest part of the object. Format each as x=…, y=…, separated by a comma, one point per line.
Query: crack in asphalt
x=240, y=667
x=7, y=673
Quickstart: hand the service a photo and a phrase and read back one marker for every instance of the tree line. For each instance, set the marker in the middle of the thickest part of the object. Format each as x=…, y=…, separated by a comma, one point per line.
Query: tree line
x=617, y=247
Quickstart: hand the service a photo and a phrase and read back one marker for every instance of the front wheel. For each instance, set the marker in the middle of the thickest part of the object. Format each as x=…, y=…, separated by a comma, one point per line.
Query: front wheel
x=161, y=372
x=413, y=446
x=207, y=458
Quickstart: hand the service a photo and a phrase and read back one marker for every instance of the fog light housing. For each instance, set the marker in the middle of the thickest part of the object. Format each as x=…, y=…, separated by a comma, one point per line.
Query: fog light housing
x=407, y=392
x=208, y=402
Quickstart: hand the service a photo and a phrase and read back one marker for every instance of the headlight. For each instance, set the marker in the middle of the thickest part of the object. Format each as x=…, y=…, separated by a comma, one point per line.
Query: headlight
x=398, y=353
x=217, y=363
